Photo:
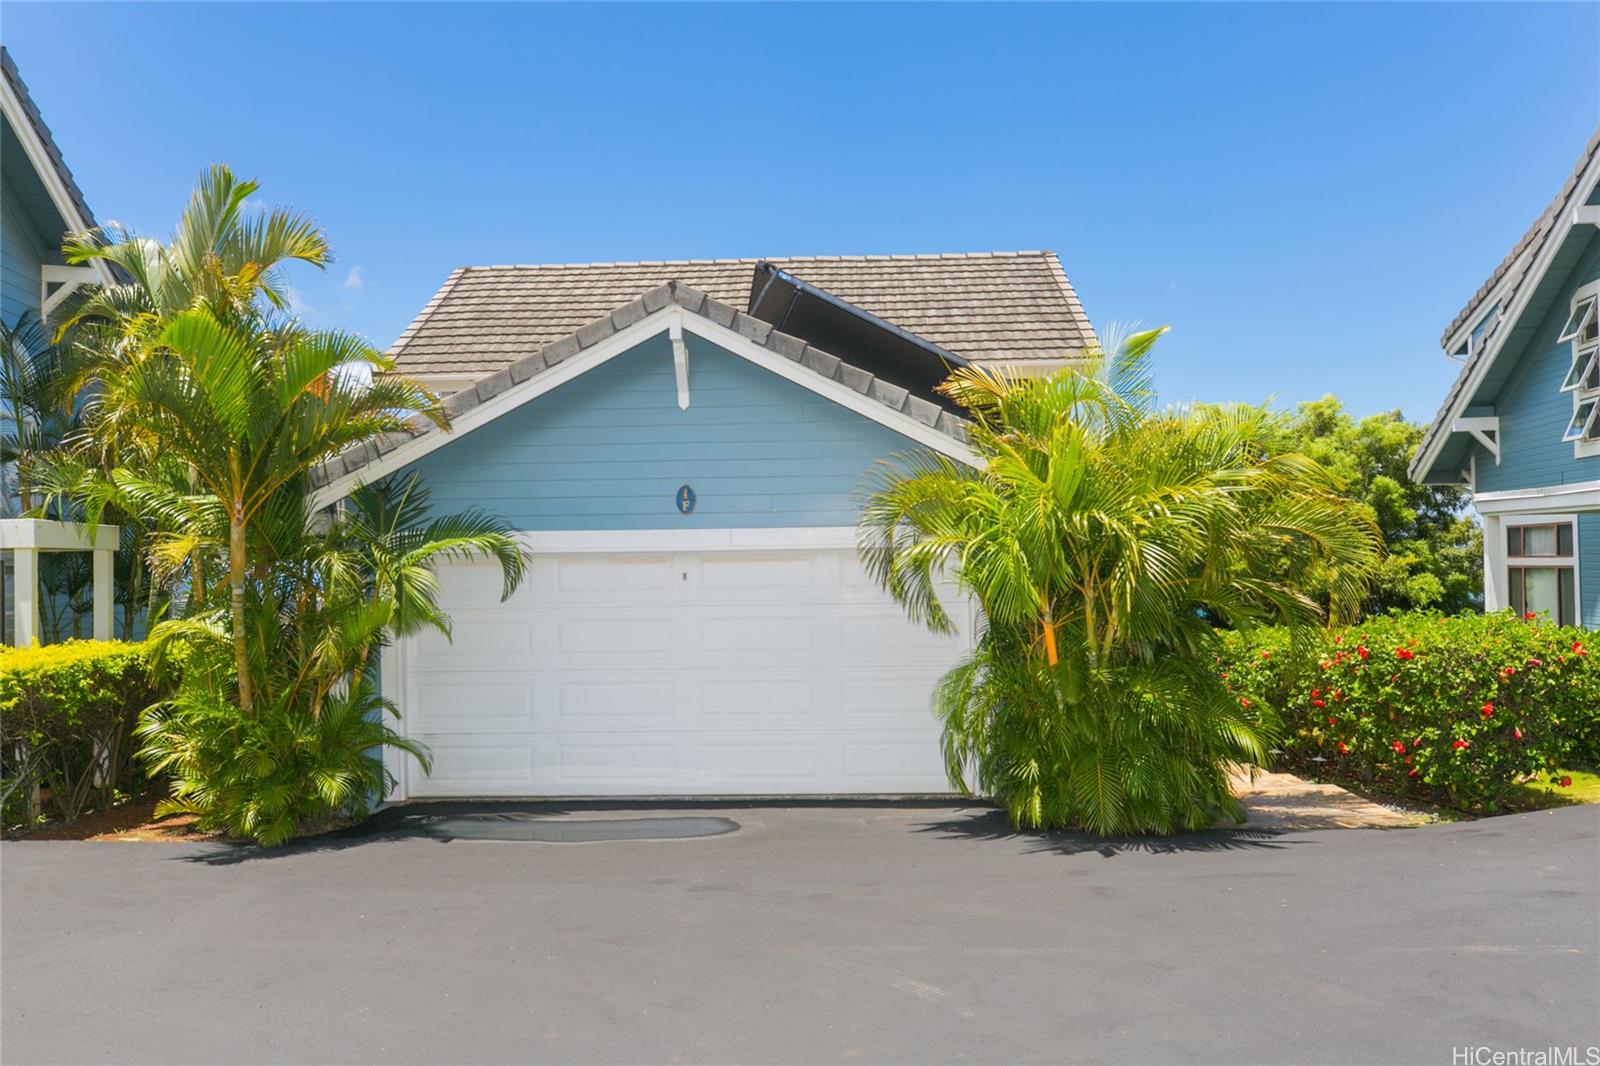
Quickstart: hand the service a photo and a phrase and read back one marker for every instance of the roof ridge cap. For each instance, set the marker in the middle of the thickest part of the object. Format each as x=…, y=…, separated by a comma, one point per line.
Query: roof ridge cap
x=753, y=260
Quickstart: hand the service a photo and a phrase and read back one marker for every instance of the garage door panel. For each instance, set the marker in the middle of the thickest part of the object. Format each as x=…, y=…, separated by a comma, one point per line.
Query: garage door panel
x=739, y=672
x=437, y=704
x=739, y=574
x=620, y=639
x=893, y=701
x=602, y=762
x=874, y=633
x=907, y=759
x=758, y=697
x=760, y=762
x=630, y=578
x=648, y=703
x=721, y=635
x=465, y=766
x=477, y=634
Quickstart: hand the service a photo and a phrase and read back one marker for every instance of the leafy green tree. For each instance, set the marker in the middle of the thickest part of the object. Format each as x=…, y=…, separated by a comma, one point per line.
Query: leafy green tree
x=1435, y=550
x=1105, y=541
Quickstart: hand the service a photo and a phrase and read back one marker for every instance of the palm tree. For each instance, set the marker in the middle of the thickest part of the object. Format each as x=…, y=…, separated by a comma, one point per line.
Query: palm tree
x=221, y=255
x=327, y=591
x=1104, y=542
x=34, y=390
x=251, y=407
x=192, y=360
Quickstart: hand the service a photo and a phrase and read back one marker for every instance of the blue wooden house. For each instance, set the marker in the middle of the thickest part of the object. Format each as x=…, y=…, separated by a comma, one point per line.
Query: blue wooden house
x=40, y=204
x=1521, y=425
x=683, y=446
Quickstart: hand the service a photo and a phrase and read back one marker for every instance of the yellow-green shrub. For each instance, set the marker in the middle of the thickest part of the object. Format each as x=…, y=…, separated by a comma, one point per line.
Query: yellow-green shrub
x=66, y=714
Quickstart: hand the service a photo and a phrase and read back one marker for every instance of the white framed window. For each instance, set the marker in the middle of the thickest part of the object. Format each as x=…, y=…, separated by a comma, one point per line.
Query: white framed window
x=1581, y=332
x=1542, y=566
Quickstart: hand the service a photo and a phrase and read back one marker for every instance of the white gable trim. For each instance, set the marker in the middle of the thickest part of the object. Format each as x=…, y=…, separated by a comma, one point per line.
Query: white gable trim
x=39, y=158
x=1559, y=229
x=666, y=320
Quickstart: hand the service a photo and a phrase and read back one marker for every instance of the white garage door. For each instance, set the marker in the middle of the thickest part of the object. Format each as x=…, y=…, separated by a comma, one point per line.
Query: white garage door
x=722, y=672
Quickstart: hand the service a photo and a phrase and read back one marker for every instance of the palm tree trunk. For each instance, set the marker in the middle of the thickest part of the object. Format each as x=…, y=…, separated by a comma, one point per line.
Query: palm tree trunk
x=236, y=568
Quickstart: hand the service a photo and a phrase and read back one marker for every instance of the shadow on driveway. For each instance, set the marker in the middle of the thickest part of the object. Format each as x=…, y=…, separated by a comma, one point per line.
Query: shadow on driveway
x=993, y=825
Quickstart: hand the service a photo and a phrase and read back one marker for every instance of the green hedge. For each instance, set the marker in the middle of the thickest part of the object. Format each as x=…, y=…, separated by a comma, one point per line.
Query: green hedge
x=1452, y=710
x=66, y=716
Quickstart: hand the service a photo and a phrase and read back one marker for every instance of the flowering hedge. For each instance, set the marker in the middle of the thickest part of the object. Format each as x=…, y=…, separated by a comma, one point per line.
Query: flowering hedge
x=1454, y=710
x=66, y=715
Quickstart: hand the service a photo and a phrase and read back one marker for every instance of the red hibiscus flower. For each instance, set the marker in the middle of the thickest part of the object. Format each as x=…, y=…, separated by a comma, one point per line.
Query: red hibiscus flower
x=1243, y=702
x=1517, y=732
x=1530, y=616
x=1399, y=746
x=1342, y=748
x=1319, y=703
x=1413, y=772
x=1266, y=655
x=1507, y=671
x=1577, y=648
x=1488, y=708
x=1535, y=662
x=1565, y=782
x=1404, y=654
x=1459, y=744
x=1361, y=650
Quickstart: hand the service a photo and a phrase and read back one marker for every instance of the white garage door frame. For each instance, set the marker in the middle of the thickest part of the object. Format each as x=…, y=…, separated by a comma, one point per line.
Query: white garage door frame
x=393, y=666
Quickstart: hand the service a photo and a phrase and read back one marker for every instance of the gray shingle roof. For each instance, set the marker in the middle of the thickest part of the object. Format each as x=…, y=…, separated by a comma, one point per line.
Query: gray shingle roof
x=593, y=332
x=13, y=77
x=1013, y=307
x=1535, y=236
x=1521, y=260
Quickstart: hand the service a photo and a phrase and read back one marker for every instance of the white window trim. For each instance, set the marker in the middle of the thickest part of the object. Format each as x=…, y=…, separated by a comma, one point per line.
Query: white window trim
x=1587, y=443
x=1497, y=587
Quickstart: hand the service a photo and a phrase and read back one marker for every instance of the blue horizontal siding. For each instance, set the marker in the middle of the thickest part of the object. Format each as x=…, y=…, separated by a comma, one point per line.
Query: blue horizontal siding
x=609, y=449
x=1533, y=411
x=1589, y=570
x=22, y=253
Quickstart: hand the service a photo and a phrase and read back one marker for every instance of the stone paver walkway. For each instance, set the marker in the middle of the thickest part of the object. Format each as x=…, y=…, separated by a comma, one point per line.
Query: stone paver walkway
x=1283, y=801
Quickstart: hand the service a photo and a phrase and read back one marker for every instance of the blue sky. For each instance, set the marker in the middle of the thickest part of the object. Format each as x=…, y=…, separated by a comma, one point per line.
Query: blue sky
x=1305, y=193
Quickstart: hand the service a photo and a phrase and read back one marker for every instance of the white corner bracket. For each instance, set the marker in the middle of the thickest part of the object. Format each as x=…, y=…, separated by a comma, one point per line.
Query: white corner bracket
x=1481, y=429
x=69, y=278
x=680, y=360
x=1586, y=215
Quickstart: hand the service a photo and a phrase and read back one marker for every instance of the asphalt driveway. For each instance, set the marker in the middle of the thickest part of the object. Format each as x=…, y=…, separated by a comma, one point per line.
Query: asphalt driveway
x=902, y=934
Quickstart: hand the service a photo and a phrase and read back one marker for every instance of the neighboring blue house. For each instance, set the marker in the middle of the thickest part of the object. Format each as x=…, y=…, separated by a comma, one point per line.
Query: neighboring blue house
x=39, y=205
x=1521, y=425
x=683, y=446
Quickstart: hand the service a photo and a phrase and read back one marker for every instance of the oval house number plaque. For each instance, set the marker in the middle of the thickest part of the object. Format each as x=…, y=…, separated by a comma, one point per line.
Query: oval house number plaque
x=685, y=499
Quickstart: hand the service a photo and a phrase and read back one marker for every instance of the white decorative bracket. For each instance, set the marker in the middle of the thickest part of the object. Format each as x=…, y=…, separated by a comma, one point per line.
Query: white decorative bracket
x=69, y=278
x=1588, y=214
x=1481, y=429
x=680, y=361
